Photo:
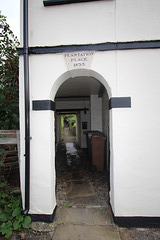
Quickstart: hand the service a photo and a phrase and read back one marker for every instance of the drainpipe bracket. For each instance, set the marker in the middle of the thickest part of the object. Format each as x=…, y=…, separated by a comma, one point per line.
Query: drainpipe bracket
x=25, y=212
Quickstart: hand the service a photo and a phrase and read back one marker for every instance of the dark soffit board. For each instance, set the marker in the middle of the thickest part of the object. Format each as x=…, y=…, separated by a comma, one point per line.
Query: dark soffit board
x=93, y=47
x=60, y=2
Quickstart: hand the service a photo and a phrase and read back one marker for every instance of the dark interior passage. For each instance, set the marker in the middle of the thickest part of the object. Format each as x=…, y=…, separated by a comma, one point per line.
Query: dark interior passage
x=77, y=185
x=82, y=106
x=82, y=197
x=82, y=192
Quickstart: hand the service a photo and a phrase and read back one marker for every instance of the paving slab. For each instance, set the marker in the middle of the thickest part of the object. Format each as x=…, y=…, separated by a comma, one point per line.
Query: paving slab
x=81, y=194
x=91, y=201
x=43, y=227
x=82, y=232
x=87, y=216
x=79, y=189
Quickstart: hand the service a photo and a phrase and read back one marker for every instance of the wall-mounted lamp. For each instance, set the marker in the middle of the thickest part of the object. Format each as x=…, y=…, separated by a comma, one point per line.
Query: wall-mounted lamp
x=85, y=110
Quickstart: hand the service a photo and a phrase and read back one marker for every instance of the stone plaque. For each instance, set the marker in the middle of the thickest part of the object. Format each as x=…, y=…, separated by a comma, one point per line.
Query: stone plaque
x=76, y=60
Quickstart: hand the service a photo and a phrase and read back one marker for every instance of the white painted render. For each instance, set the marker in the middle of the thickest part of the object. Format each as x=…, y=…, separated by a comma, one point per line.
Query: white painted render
x=44, y=83
x=42, y=163
x=134, y=132
x=67, y=21
x=105, y=126
x=96, y=112
x=84, y=118
x=137, y=20
x=138, y=128
x=93, y=22
x=105, y=113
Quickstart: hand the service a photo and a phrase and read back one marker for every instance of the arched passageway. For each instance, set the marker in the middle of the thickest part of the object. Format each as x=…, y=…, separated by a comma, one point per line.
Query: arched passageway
x=79, y=183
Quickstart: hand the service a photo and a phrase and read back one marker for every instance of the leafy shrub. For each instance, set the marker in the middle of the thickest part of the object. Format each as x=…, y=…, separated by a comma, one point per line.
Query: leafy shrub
x=11, y=217
x=2, y=151
x=9, y=80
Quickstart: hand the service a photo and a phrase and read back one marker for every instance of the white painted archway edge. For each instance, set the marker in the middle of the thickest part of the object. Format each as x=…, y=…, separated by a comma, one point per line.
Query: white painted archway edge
x=78, y=73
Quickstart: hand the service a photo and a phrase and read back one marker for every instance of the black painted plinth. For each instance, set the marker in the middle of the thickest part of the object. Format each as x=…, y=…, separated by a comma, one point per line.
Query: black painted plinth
x=43, y=217
x=143, y=222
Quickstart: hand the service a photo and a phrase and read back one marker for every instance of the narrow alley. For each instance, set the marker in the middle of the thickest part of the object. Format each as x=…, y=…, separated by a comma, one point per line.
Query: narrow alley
x=83, y=210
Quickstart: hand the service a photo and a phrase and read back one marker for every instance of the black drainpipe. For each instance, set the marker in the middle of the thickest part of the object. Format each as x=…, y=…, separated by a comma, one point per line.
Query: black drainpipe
x=27, y=106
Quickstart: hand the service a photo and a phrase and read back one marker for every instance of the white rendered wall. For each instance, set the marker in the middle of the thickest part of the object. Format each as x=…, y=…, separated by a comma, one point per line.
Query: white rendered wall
x=42, y=156
x=78, y=129
x=42, y=163
x=105, y=113
x=71, y=23
x=116, y=20
x=47, y=73
x=136, y=135
x=134, y=132
x=105, y=126
x=84, y=118
x=137, y=20
x=96, y=112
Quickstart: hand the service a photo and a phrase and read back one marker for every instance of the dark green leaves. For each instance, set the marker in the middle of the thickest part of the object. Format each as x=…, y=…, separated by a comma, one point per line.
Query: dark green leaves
x=6, y=229
x=9, y=82
x=16, y=225
x=3, y=217
x=26, y=222
x=16, y=212
x=11, y=217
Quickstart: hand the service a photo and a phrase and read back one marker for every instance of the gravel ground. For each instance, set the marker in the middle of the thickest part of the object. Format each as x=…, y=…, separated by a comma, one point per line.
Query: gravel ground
x=139, y=233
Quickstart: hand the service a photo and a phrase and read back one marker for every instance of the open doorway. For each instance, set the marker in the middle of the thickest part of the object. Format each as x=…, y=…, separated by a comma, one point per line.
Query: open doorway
x=78, y=184
x=68, y=127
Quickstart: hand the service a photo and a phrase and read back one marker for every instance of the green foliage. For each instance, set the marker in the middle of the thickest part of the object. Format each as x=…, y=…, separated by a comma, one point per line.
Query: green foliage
x=66, y=205
x=9, y=81
x=56, y=224
x=72, y=125
x=11, y=218
x=71, y=119
x=2, y=154
x=2, y=151
x=1, y=164
x=62, y=123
